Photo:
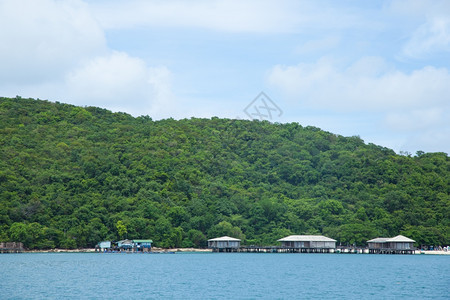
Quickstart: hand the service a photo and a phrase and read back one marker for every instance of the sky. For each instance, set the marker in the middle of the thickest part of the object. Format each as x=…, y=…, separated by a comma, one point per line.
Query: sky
x=376, y=69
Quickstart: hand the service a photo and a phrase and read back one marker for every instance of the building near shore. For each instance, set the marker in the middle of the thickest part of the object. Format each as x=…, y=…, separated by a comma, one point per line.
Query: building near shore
x=103, y=246
x=125, y=245
x=398, y=244
x=224, y=244
x=11, y=247
x=308, y=242
x=142, y=245
x=133, y=245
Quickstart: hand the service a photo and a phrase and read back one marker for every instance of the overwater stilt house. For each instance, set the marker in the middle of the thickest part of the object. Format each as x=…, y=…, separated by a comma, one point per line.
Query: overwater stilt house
x=142, y=245
x=103, y=246
x=125, y=245
x=224, y=244
x=134, y=245
x=396, y=245
x=308, y=243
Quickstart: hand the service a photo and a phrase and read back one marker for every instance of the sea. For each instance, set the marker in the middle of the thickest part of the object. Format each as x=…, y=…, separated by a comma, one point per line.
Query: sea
x=223, y=276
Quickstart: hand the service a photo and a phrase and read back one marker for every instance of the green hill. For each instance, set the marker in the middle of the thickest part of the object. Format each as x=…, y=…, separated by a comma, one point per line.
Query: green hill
x=72, y=176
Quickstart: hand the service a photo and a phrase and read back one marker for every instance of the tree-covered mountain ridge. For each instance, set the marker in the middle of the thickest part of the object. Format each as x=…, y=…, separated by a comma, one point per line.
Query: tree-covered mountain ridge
x=73, y=176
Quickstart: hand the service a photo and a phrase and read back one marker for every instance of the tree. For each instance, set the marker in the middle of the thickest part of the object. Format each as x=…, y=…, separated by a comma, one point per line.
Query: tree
x=121, y=229
x=224, y=228
x=195, y=238
x=68, y=175
x=356, y=234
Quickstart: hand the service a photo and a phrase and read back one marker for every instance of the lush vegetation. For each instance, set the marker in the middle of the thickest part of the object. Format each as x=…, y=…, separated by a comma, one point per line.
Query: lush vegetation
x=72, y=176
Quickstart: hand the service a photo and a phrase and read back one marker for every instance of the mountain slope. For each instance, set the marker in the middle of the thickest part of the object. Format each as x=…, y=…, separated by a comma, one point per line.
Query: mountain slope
x=72, y=176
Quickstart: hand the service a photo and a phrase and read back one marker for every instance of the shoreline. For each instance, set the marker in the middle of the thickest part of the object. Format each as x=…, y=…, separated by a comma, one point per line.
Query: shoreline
x=194, y=250
x=93, y=250
x=433, y=252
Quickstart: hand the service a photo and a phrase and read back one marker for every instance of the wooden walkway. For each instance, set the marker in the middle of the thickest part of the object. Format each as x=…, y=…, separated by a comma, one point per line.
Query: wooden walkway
x=272, y=249
x=391, y=251
x=343, y=250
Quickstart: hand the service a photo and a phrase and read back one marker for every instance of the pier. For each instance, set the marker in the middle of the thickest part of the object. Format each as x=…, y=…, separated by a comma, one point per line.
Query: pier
x=11, y=247
x=392, y=251
x=338, y=250
x=316, y=244
x=274, y=249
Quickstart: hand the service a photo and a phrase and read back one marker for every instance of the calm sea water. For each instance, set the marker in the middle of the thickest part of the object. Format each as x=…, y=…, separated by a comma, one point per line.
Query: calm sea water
x=223, y=275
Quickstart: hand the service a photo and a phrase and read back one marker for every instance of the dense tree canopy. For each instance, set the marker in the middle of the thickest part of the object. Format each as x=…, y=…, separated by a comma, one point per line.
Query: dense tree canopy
x=72, y=176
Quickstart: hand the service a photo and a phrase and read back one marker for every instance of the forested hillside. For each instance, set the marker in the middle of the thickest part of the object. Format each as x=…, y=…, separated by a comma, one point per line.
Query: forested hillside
x=72, y=176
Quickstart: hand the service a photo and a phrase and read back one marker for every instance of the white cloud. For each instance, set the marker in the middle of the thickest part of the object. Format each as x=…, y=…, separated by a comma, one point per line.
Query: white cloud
x=40, y=39
x=253, y=16
x=432, y=35
x=368, y=84
x=115, y=81
x=416, y=103
x=218, y=15
x=163, y=99
x=56, y=50
x=120, y=82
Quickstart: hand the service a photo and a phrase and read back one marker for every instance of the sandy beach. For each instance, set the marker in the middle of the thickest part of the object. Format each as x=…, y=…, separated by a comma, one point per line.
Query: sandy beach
x=433, y=252
x=188, y=250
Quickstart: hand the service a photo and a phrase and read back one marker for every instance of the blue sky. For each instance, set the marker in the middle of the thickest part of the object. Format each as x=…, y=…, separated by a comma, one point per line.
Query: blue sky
x=377, y=69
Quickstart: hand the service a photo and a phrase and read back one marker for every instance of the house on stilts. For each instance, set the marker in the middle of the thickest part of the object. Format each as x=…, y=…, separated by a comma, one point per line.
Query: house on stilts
x=396, y=245
x=224, y=244
x=308, y=244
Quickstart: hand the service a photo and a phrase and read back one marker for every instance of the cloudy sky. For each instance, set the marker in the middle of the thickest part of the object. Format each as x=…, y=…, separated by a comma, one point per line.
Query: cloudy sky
x=377, y=69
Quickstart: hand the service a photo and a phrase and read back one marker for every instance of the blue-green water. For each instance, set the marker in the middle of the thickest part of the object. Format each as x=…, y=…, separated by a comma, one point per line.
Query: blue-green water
x=223, y=275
